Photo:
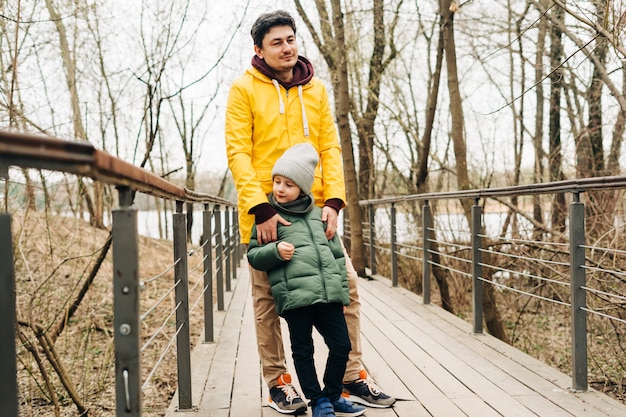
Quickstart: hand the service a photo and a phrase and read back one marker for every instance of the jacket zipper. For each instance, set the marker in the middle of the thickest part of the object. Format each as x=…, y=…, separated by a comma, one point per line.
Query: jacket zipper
x=319, y=260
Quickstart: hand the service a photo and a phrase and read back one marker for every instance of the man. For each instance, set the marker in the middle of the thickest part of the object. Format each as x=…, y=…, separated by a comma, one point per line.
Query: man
x=276, y=104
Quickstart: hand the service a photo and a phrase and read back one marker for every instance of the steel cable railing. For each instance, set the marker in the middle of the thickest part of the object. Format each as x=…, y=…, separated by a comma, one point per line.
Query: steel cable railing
x=453, y=244
x=449, y=268
x=165, y=351
x=524, y=262
x=527, y=293
x=162, y=273
x=198, y=266
x=165, y=322
x=404, y=250
x=608, y=316
x=205, y=285
x=159, y=330
x=200, y=297
x=218, y=263
x=521, y=257
x=159, y=301
x=449, y=256
x=523, y=274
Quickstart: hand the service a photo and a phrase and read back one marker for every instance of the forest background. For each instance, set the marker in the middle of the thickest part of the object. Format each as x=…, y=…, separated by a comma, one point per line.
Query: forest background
x=428, y=95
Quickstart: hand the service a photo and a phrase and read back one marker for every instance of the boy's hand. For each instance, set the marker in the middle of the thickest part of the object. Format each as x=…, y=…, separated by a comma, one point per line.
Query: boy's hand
x=285, y=250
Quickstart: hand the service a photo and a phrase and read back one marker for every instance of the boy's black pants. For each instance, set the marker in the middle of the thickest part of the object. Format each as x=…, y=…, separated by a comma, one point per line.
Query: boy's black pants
x=329, y=321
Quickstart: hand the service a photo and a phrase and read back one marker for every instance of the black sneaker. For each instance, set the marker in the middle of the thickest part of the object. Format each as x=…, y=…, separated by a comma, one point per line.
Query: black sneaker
x=365, y=391
x=284, y=398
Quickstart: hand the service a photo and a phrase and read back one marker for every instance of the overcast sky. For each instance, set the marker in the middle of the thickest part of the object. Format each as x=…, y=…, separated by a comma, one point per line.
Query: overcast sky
x=236, y=61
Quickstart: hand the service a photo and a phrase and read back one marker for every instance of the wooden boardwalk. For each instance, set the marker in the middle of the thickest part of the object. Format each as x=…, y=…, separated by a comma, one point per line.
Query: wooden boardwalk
x=424, y=356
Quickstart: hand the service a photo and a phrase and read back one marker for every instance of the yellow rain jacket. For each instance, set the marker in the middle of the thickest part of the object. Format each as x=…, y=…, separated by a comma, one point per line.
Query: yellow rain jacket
x=263, y=119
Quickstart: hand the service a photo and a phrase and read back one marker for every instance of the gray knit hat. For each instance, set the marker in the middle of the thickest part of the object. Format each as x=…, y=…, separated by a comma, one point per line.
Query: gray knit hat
x=298, y=164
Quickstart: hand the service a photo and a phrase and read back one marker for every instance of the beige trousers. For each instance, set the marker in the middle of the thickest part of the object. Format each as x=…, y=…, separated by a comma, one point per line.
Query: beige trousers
x=268, y=333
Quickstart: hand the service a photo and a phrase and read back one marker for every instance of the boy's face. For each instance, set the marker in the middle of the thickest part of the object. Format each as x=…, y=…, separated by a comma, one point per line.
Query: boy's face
x=280, y=49
x=284, y=189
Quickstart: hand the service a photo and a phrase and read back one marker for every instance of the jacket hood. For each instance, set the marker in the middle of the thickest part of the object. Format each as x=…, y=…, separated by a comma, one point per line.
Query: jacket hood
x=302, y=72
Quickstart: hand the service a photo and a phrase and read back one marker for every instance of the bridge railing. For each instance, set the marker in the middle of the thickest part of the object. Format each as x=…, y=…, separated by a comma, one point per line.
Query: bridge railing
x=500, y=247
x=219, y=245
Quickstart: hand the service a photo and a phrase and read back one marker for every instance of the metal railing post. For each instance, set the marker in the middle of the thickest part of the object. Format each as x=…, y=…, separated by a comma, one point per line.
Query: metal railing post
x=126, y=319
x=227, y=248
x=238, y=246
x=372, y=213
x=477, y=272
x=346, y=230
x=233, y=247
x=207, y=244
x=394, y=255
x=8, y=382
x=426, y=222
x=219, y=263
x=181, y=282
x=578, y=296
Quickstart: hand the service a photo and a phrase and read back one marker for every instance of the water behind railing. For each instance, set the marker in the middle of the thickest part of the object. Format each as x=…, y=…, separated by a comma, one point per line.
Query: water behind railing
x=155, y=224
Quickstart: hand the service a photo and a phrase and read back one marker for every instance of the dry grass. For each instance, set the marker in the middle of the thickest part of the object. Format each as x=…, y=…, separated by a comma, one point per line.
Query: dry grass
x=53, y=257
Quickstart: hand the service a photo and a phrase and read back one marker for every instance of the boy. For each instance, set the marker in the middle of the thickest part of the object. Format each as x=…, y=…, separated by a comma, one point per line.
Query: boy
x=308, y=280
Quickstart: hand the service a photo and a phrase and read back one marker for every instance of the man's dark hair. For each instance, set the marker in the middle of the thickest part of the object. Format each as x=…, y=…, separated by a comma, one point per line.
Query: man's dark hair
x=266, y=21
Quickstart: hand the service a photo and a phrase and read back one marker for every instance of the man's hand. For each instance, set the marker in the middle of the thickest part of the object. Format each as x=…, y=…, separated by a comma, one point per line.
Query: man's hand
x=329, y=215
x=285, y=250
x=266, y=231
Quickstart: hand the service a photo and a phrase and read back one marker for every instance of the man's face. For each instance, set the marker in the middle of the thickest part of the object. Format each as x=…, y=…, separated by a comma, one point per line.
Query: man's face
x=280, y=49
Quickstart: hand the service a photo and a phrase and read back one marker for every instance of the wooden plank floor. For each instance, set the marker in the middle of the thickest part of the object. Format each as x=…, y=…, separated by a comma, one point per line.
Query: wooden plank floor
x=422, y=355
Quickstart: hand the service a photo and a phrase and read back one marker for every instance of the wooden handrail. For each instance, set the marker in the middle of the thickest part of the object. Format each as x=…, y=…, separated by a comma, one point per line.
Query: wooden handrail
x=82, y=158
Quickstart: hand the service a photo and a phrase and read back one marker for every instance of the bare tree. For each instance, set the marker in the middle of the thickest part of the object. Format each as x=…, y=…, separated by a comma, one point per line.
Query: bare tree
x=68, y=56
x=555, y=166
x=382, y=55
x=447, y=10
x=537, y=138
x=331, y=42
x=70, y=68
x=431, y=109
x=191, y=137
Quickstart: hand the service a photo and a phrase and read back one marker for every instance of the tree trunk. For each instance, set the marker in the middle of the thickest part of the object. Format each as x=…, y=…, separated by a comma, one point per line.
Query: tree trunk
x=342, y=101
x=29, y=191
x=554, y=155
x=600, y=205
x=333, y=50
x=618, y=135
x=440, y=274
x=456, y=103
x=431, y=109
x=492, y=319
x=95, y=205
x=366, y=123
x=190, y=183
x=538, y=170
x=592, y=153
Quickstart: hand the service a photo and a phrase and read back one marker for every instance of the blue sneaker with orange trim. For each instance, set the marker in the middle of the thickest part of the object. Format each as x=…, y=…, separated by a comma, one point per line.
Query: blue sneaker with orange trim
x=346, y=408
